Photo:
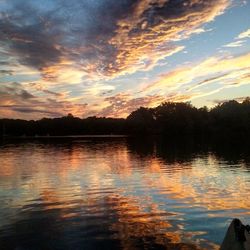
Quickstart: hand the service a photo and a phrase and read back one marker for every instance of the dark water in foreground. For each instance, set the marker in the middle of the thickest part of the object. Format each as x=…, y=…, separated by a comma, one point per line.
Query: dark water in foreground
x=119, y=194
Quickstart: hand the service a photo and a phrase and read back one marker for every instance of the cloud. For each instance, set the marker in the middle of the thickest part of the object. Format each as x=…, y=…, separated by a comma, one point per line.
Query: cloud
x=39, y=87
x=245, y=34
x=6, y=72
x=238, y=99
x=100, y=38
x=212, y=74
x=147, y=35
x=200, y=30
x=184, y=83
x=234, y=44
x=26, y=95
x=26, y=36
x=208, y=81
x=73, y=51
x=239, y=40
x=52, y=92
x=121, y=105
x=16, y=102
x=4, y=63
x=14, y=90
x=32, y=110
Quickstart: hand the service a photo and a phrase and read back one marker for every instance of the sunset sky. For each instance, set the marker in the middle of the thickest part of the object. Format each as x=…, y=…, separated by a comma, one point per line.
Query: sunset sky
x=109, y=57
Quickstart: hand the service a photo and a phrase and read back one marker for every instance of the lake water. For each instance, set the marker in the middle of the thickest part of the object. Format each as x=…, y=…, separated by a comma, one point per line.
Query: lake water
x=119, y=193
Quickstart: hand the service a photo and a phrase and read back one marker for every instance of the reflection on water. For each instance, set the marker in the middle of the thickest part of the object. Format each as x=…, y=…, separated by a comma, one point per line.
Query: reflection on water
x=119, y=194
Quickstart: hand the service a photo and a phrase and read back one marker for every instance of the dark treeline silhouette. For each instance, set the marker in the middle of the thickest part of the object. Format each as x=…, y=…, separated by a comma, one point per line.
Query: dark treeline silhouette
x=230, y=119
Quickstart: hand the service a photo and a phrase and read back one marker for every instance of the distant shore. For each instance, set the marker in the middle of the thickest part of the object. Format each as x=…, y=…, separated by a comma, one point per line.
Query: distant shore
x=229, y=120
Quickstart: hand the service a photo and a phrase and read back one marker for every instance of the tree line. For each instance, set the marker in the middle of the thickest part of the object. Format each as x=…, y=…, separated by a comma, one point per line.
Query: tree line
x=170, y=119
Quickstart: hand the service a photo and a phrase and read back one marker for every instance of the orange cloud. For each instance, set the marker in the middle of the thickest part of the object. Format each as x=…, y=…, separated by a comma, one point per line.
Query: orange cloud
x=143, y=39
x=228, y=72
x=121, y=105
x=65, y=71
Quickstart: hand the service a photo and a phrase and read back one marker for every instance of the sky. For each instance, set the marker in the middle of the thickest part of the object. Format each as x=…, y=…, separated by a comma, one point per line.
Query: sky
x=110, y=57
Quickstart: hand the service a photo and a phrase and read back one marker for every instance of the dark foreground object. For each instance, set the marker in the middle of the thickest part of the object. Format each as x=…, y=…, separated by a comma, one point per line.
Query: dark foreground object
x=237, y=237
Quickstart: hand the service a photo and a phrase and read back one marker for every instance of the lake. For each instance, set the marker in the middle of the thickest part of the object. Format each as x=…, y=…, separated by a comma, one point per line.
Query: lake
x=120, y=193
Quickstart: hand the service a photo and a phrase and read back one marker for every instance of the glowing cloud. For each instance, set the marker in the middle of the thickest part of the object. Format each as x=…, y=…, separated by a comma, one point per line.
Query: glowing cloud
x=129, y=36
x=147, y=35
x=86, y=57
x=228, y=72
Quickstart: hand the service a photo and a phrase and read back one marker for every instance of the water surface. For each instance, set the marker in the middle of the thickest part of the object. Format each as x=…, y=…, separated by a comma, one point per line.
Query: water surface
x=119, y=193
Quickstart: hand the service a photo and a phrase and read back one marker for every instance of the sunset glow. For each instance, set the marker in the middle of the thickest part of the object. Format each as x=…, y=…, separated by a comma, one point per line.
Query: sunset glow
x=108, y=58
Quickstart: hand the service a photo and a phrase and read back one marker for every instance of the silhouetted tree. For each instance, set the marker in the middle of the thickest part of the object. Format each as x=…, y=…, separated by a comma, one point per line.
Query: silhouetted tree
x=141, y=121
x=230, y=119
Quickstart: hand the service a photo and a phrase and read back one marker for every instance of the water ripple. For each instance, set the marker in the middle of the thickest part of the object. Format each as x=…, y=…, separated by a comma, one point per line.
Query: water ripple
x=109, y=195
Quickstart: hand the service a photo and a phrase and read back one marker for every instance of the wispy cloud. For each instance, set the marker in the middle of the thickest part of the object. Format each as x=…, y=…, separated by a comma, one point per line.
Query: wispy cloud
x=191, y=79
x=238, y=99
x=234, y=44
x=245, y=34
x=240, y=40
